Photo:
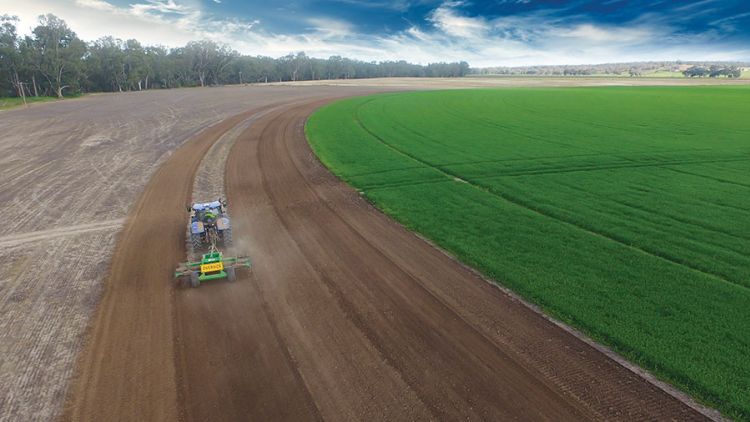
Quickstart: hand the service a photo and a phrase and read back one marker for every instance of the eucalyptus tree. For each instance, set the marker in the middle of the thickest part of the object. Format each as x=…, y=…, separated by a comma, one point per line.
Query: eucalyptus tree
x=136, y=67
x=10, y=57
x=58, y=53
x=105, y=65
x=158, y=67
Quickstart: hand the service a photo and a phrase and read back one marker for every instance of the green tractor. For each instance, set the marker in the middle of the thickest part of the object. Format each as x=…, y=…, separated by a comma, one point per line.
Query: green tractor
x=212, y=266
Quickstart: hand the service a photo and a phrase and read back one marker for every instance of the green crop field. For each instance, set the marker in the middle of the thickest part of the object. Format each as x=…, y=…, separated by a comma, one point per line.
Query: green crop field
x=622, y=211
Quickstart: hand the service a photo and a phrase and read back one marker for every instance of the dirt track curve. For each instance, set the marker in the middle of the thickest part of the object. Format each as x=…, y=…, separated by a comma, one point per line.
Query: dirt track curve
x=345, y=316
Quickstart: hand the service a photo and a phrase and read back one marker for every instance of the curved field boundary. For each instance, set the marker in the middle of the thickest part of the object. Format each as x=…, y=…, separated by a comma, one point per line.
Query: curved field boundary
x=402, y=170
x=339, y=279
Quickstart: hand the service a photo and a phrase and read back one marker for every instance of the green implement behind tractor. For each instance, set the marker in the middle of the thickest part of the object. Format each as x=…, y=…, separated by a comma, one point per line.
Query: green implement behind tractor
x=212, y=266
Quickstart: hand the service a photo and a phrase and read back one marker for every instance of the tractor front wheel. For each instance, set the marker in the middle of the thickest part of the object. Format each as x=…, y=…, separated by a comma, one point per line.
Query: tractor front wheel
x=231, y=274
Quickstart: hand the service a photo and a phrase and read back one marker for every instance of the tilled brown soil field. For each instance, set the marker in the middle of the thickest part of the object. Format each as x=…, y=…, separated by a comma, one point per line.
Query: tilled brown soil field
x=70, y=172
x=345, y=315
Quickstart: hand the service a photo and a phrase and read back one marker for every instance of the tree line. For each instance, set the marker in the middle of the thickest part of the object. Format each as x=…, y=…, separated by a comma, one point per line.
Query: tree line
x=53, y=61
x=728, y=69
x=714, y=71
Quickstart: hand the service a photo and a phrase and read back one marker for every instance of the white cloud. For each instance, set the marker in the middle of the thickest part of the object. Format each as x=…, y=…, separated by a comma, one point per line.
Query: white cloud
x=92, y=19
x=159, y=7
x=448, y=35
x=447, y=19
x=331, y=27
x=96, y=4
x=596, y=34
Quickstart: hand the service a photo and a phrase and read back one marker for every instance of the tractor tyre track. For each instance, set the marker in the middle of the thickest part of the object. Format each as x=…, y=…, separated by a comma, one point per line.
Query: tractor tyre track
x=126, y=371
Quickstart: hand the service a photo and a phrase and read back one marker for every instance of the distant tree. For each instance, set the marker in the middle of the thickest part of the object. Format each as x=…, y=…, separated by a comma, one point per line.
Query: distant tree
x=208, y=60
x=198, y=54
x=714, y=71
x=10, y=57
x=136, y=67
x=220, y=63
x=294, y=66
x=26, y=69
x=58, y=53
x=268, y=69
x=105, y=65
x=698, y=71
x=317, y=69
x=157, y=67
x=181, y=68
x=336, y=67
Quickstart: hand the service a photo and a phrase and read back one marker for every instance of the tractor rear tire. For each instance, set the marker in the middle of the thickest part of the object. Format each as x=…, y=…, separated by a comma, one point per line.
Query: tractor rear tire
x=194, y=280
x=231, y=274
x=227, y=237
x=195, y=240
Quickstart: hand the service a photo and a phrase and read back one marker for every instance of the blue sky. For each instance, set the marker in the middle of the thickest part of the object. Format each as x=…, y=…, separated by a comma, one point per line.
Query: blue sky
x=484, y=33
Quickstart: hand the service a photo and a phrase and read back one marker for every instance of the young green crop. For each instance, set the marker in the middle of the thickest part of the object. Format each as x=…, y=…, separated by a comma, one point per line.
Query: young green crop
x=622, y=211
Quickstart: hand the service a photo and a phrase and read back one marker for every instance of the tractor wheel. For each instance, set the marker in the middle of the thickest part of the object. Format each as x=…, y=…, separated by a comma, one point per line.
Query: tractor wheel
x=227, y=236
x=231, y=274
x=194, y=280
x=195, y=240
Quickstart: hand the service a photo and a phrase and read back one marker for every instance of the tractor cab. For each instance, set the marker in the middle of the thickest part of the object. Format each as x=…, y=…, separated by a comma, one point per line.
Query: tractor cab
x=209, y=224
x=207, y=212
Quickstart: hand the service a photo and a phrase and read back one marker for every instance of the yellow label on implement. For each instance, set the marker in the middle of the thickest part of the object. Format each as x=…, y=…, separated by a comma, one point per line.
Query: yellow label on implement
x=209, y=268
